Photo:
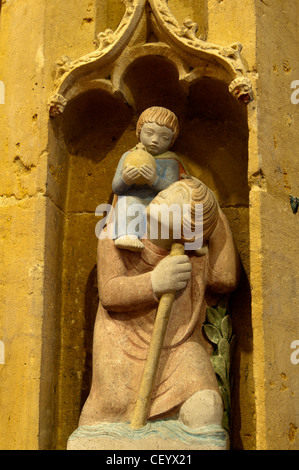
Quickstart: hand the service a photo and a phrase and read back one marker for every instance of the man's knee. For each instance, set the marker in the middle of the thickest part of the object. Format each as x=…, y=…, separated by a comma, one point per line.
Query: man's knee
x=202, y=409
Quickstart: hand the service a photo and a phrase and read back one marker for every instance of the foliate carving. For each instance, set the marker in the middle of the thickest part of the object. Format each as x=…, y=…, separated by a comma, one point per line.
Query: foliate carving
x=188, y=30
x=241, y=89
x=186, y=33
x=106, y=38
x=56, y=105
x=109, y=37
x=218, y=328
x=109, y=43
x=185, y=37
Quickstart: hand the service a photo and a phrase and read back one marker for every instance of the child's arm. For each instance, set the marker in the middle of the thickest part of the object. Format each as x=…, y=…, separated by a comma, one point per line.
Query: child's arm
x=122, y=182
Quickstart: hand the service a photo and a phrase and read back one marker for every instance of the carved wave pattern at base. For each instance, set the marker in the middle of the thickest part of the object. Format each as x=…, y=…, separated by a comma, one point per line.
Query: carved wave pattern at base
x=164, y=429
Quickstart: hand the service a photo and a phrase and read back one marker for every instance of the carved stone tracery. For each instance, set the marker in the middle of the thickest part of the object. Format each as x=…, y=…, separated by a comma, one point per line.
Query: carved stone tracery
x=181, y=41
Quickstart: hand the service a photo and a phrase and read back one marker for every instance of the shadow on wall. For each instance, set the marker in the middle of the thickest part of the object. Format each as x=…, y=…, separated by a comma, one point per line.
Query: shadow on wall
x=93, y=123
x=154, y=81
x=91, y=306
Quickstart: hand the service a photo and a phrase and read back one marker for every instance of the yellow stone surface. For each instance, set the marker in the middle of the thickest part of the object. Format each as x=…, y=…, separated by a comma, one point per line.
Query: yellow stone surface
x=55, y=173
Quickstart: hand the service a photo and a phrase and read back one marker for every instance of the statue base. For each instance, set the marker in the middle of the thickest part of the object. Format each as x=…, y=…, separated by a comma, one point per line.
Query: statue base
x=156, y=435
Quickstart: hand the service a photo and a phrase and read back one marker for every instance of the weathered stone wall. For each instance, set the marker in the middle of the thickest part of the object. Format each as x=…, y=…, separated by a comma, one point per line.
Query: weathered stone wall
x=275, y=264
x=33, y=36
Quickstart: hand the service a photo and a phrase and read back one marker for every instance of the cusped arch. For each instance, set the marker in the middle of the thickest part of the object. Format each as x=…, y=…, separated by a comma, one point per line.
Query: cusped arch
x=95, y=117
x=101, y=85
x=136, y=53
x=178, y=43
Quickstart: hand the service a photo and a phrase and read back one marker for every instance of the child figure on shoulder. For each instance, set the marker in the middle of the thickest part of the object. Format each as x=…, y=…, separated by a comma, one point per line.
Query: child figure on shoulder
x=144, y=171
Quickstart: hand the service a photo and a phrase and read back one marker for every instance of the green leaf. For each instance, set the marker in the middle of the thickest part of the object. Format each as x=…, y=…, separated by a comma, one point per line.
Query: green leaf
x=219, y=368
x=222, y=306
x=225, y=421
x=226, y=327
x=225, y=396
x=213, y=317
x=212, y=333
x=224, y=350
x=222, y=311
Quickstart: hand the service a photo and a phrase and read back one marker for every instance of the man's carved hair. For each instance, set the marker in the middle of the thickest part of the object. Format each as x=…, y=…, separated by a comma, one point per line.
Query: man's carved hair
x=201, y=194
x=160, y=116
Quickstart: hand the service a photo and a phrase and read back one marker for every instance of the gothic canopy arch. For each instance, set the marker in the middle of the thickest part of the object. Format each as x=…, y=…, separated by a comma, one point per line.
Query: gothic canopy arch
x=193, y=57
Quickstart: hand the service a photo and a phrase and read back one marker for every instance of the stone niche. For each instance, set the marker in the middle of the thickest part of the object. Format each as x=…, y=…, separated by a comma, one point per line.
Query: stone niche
x=150, y=59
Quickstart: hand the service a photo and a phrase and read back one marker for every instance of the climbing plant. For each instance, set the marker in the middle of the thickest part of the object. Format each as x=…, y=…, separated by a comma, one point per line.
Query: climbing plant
x=218, y=328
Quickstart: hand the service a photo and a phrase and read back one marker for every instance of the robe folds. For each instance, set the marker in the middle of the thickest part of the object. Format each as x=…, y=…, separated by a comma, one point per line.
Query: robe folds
x=124, y=326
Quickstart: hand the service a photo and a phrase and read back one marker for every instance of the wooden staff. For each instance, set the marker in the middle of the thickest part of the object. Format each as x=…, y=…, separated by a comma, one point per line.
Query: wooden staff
x=140, y=414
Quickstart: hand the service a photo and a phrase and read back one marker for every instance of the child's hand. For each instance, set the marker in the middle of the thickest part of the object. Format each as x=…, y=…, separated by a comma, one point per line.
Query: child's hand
x=149, y=174
x=130, y=175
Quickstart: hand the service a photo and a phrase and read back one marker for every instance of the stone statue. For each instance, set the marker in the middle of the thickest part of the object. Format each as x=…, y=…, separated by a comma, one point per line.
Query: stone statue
x=144, y=171
x=185, y=395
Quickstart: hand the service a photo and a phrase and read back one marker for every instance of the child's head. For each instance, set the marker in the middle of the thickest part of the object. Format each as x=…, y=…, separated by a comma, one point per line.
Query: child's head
x=160, y=116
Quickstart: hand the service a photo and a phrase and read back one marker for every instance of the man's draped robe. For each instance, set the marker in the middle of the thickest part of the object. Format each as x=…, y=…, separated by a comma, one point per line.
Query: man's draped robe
x=124, y=326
